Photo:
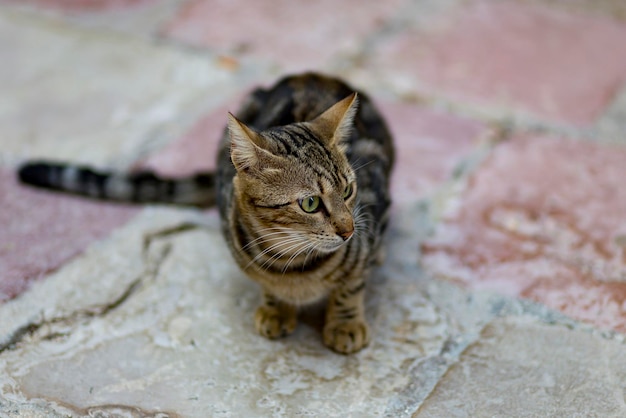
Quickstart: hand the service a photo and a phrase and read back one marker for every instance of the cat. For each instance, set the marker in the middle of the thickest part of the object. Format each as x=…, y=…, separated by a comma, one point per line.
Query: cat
x=302, y=187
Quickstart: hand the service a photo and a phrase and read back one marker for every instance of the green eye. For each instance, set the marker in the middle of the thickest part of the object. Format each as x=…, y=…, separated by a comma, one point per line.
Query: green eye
x=347, y=191
x=310, y=204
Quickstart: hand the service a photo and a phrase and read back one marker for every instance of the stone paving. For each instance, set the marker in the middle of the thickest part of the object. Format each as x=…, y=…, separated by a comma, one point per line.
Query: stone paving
x=504, y=289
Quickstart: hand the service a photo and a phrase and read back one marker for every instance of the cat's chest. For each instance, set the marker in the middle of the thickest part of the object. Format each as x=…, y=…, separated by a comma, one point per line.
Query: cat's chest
x=301, y=288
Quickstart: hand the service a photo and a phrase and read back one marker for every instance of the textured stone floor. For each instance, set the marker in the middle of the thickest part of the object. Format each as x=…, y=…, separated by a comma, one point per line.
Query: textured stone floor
x=504, y=289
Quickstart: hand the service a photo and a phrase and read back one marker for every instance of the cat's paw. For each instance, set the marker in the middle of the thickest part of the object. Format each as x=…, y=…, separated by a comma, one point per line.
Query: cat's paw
x=346, y=337
x=273, y=323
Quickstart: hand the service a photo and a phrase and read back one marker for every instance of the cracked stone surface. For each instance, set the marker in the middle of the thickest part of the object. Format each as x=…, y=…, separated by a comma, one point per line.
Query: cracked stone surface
x=502, y=293
x=562, y=371
x=151, y=334
x=149, y=351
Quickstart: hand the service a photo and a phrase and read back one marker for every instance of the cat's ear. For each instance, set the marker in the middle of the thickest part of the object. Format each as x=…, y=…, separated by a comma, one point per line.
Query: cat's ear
x=335, y=124
x=247, y=147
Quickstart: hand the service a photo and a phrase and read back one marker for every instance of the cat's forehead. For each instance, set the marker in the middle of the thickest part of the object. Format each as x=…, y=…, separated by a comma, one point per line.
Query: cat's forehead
x=318, y=178
x=306, y=160
x=294, y=142
x=294, y=138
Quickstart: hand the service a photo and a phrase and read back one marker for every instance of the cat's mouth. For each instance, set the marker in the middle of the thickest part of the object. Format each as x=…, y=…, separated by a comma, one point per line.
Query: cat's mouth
x=330, y=246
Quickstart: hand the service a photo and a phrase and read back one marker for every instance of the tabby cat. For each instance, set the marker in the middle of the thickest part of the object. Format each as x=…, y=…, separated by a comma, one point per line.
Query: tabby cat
x=302, y=187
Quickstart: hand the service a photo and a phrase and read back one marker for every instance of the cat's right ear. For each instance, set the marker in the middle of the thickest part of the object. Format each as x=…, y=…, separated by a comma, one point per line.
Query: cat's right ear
x=243, y=151
x=248, y=148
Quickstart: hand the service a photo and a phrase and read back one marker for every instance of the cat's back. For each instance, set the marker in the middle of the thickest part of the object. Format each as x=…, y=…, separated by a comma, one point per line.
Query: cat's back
x=300, y=98
x=295, y=98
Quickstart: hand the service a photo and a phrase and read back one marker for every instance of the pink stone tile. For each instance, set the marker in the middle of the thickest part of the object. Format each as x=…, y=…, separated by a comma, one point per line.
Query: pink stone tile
x=40, y=231
x=297, y=35
x=559, y=66
x=429, y=146
x=543, y=218
x=194, y=152
x=82, y=5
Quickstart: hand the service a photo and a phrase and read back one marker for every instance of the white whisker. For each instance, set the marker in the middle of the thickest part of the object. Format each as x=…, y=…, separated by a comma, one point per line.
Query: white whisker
x=357, y=168
x=295, y=255
x=277, y=256
x=265, y=238
x=311, y=249
x=292, y=242
x=363, y=222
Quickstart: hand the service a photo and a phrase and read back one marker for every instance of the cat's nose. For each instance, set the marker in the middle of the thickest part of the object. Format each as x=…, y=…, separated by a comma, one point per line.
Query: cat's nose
x=346, y=234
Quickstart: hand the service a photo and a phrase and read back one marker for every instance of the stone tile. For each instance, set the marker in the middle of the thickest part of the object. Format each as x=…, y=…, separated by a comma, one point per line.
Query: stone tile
x=130, y=328
x=96, y=98
x=41, y=231
x=87, y=284
x=193, y=152
x=430, y=145
x=542, y=218
x=524, y=369
x=296, y=36
x=529, y=58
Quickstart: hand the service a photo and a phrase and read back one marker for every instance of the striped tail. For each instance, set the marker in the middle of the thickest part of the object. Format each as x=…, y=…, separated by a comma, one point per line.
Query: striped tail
x=142, y=187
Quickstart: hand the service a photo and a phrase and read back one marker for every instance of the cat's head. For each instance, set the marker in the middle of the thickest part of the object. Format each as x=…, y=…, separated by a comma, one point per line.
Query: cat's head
x=295, y=181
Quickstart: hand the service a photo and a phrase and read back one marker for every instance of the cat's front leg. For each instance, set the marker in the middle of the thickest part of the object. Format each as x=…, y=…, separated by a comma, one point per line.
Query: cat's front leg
x=345, y=330
x=274, y=318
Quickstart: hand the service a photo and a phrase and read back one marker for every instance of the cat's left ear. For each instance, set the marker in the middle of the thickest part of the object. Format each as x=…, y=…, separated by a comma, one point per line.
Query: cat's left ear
x=335, y=124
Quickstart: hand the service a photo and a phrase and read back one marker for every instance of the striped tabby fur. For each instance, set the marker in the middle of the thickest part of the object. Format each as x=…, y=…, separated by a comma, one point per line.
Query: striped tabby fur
x=302, y=187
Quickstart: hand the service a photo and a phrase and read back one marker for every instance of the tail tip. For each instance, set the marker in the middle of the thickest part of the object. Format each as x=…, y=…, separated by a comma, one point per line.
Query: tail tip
x=33, y=173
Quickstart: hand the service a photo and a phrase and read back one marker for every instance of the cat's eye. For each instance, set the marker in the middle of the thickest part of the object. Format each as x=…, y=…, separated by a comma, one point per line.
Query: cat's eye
x=347, y=192
x=310, y=204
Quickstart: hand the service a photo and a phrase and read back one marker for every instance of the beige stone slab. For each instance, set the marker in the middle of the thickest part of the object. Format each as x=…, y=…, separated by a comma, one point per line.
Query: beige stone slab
x=94, y=96
x=521, y=368
x=173, y=332
x=94, y=280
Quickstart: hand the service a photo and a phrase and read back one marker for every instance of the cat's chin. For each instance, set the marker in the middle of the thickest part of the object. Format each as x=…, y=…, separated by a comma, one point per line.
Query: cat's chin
x=328, y=248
